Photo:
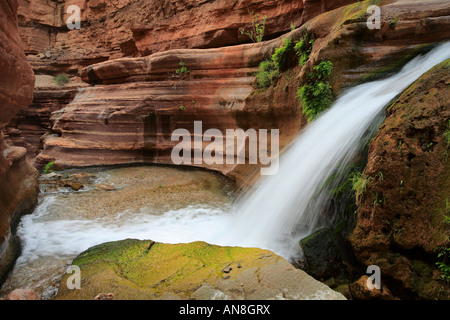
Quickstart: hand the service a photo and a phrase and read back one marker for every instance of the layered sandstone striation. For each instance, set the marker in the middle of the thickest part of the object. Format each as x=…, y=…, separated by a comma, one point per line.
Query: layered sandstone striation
x=134, y=104
x=129, y=117
x=113, y=29
x=18, y=187
x=401, y=224
x=28, y=127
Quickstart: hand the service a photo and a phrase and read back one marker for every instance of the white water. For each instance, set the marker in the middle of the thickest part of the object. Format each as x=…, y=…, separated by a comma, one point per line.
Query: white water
x=281, y=209
x=42, y=237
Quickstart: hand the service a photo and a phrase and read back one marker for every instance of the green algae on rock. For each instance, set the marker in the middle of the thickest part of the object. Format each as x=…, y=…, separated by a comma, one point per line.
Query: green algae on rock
x=148, y=270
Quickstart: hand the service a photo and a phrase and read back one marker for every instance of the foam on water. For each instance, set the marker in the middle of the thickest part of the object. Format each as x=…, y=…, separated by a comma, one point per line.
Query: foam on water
x=44, y=238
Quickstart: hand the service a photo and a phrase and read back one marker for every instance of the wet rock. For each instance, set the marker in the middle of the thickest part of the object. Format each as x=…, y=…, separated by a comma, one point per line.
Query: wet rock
x=104, y=296
x=104, y=187
x=321, y=254
x=360, y=291
x=51, y=175
x=227, y=270
x=22, y=294
x=75, y=185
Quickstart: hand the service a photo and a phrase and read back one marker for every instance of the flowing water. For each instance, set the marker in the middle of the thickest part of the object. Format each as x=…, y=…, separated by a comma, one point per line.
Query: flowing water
x=172, y=205
x=285, y=207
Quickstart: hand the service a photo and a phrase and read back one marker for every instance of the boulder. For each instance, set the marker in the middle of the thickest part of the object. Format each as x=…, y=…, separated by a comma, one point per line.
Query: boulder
x=321, y=254
x=360, y=291
x=146, y=270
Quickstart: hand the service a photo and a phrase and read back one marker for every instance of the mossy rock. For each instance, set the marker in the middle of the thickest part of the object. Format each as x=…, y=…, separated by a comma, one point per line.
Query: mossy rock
x=401, y=224
x=143, y=269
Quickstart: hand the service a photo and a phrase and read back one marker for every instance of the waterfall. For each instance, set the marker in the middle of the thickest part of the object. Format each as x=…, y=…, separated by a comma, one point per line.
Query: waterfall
x=285, y=207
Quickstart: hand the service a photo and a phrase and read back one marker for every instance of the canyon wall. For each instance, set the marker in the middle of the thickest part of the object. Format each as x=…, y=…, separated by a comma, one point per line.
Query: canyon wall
x=133, y=104
x=113, y=29
x=18, y=187
x=108, y=32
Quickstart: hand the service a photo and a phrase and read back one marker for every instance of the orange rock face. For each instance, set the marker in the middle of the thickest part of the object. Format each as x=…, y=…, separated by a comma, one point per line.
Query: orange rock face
x=18, y=190
x=113, y=29
x=128, y=116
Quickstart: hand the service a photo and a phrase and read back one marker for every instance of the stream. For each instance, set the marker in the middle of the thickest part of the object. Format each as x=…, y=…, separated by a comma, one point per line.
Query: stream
x=164, y=204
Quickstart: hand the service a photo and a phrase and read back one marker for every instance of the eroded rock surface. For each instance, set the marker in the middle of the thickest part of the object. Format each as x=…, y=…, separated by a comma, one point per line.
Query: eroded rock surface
x=18, y=187
x=401, y=223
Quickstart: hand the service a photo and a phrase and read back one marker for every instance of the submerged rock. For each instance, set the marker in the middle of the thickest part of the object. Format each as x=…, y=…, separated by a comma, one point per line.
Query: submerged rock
x=22, y=294
x=104, y=187
x=75, y=185
x=140, y=270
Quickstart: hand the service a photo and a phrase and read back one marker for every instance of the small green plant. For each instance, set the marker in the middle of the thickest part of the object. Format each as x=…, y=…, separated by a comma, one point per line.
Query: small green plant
x=316, y=95
x=393, y=22
x=270, y=69
x=377, y=200
x=256, y=31
x=292, y=26
x=61, y=79
x=265, y=74
x=360, y=181
x=48, y=167
x=444, y=264
x=182, y=108
x=303, y=48
x=279, y=58
x=392, y=228
x=380, y=176
x=323, y=69
x=182, y=70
